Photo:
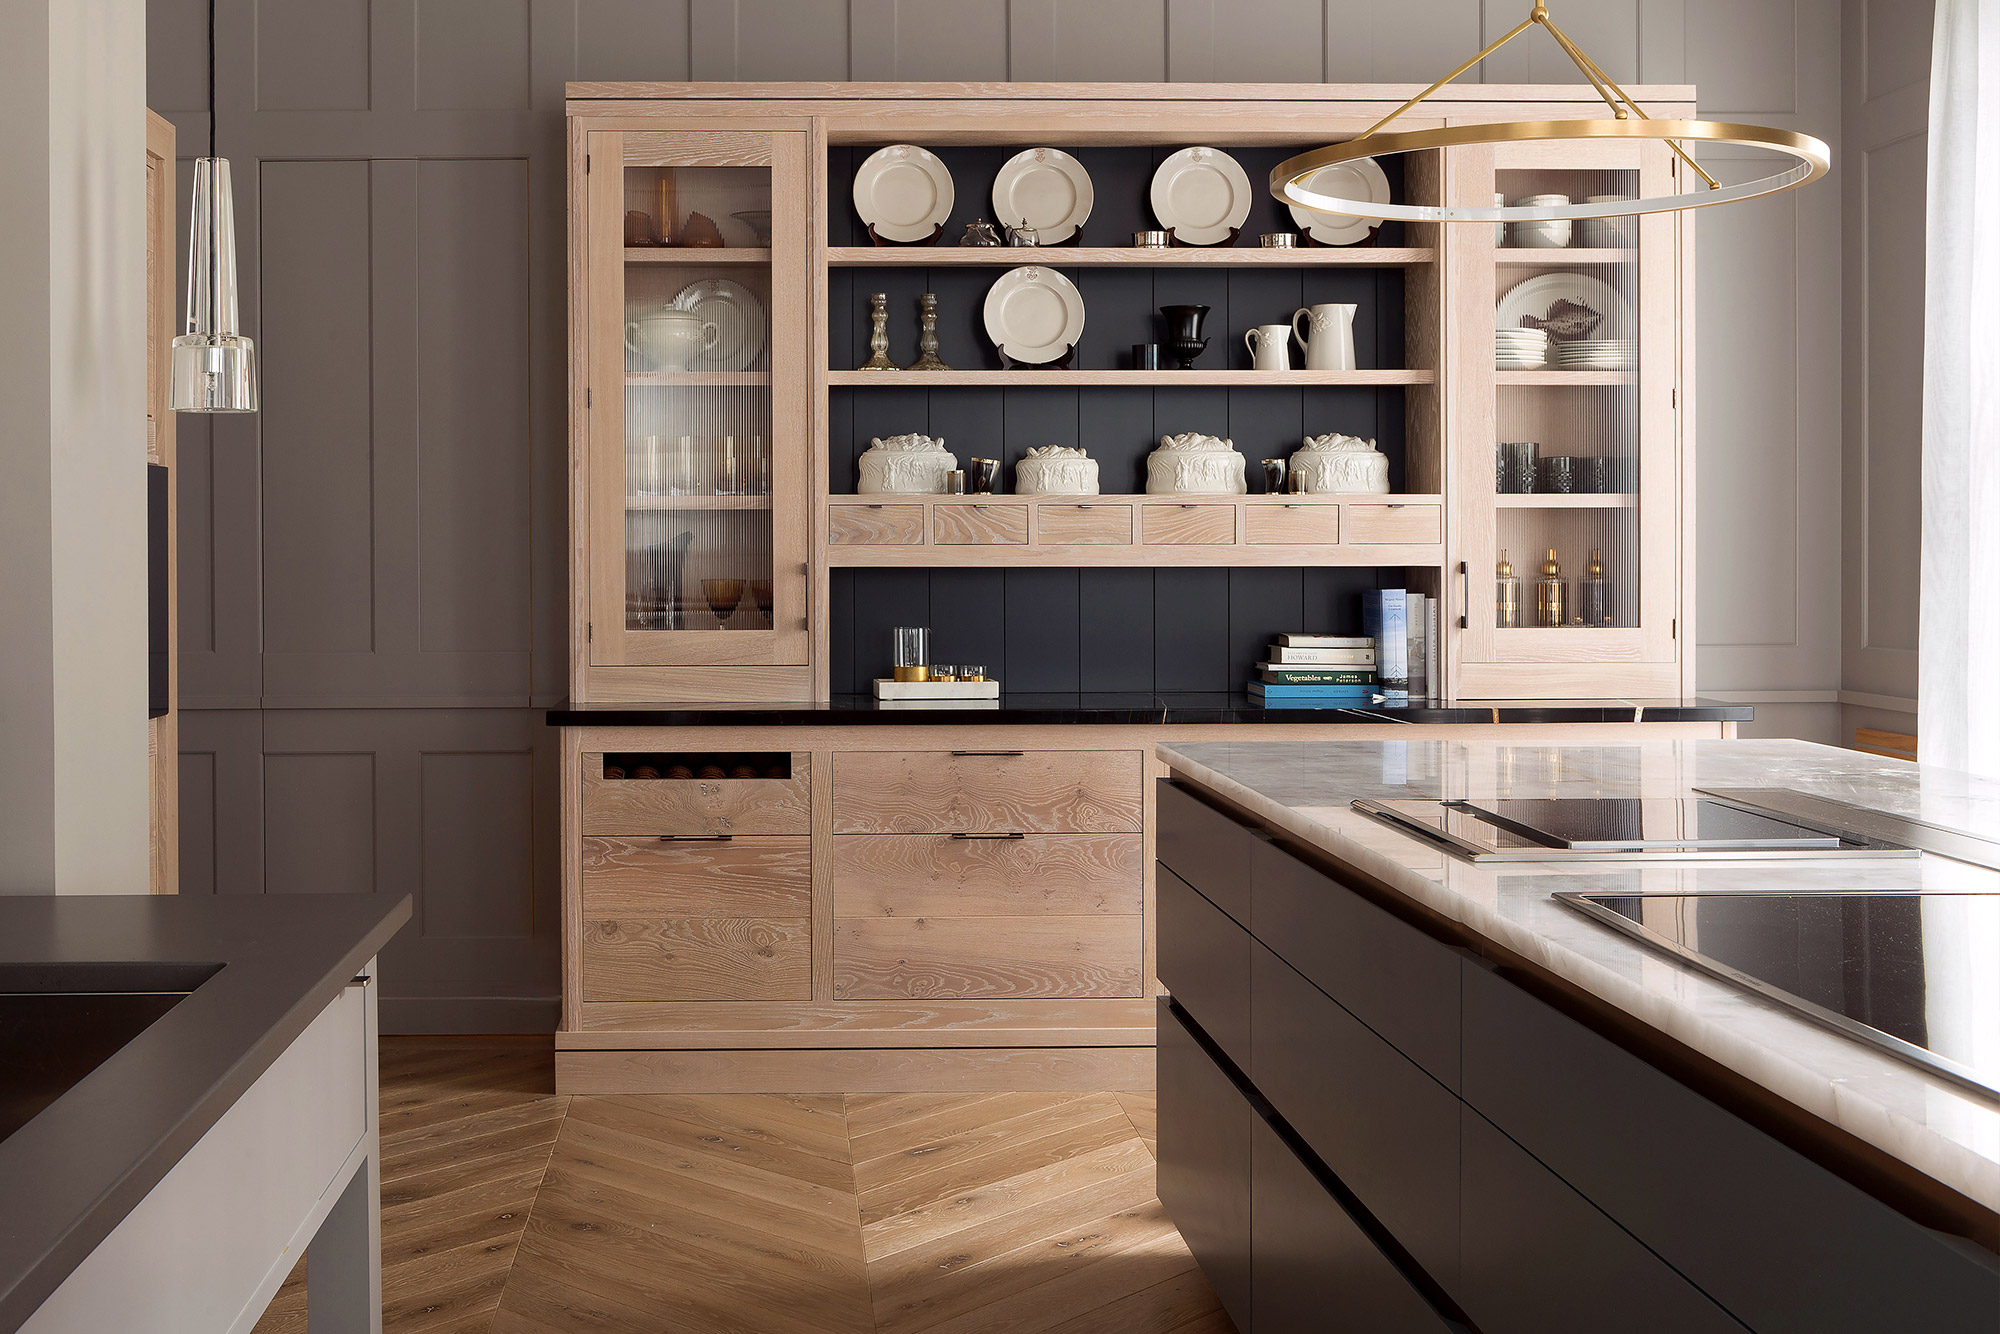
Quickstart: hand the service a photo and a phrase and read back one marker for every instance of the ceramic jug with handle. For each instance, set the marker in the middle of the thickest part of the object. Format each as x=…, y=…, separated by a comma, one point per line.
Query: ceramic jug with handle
x=1330, y=342
x=667, y=340
x=1270, y=347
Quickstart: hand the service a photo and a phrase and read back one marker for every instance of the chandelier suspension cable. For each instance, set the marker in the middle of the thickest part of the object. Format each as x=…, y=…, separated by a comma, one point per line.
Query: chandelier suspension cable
x=1594, y=73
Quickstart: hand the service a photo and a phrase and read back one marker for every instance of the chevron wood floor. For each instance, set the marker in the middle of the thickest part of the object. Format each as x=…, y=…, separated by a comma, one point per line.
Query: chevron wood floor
x=509, y=1210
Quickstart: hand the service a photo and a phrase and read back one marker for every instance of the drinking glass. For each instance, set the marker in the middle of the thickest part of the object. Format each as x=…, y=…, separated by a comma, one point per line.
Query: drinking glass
x=723, y=596
x=912, y=649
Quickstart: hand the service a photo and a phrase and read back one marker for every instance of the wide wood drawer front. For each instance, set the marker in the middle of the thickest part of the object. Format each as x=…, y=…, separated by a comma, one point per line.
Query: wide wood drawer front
x=1190, y=525
x=950, y=792
x=896, y=958
x=694, y=805
x=1084, y=525
x=665, y=877
x=979, y=525
x=946, y=875
x=1422, y=524
x=697, y=958
x=875, y=525
x=1268, y=524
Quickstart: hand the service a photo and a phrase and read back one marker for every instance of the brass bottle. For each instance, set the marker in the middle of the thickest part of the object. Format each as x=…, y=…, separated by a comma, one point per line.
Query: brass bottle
x=1506, y=595
x=1551, y=594
x=1593, y=593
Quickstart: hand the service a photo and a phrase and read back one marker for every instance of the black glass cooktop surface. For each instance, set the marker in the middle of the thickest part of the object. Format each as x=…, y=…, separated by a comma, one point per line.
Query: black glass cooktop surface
x=1621, y=822
x=1917, y=974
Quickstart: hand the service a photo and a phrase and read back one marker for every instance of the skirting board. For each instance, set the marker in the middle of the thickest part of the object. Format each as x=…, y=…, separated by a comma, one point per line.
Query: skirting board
x=873, y=1070
x=403, y=1015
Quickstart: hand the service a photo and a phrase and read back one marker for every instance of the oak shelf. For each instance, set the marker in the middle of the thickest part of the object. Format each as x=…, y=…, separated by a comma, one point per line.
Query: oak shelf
x=1558, y=256
x=635, y=254
x=908, y=379
x=698, y=502
x=1598, y=500
x=1570, y=379
x=1068, y=257
x=697, y=379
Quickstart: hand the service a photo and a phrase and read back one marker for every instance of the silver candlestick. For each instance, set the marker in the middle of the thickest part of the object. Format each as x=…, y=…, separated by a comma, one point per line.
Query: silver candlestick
x=878, y=336
x=927, y=342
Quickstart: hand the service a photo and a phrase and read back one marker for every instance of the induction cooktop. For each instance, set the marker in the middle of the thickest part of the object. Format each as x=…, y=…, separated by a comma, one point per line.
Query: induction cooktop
x=1725, y=824
x=1916, y=974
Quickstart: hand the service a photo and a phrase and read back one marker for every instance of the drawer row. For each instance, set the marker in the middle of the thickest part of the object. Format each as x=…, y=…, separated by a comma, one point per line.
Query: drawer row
x=915, y=916
x=885, y=792
x=1007, y=522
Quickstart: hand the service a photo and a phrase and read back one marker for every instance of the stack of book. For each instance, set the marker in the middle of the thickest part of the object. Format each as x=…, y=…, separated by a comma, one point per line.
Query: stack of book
x=1317, y=671
x=1404, y=630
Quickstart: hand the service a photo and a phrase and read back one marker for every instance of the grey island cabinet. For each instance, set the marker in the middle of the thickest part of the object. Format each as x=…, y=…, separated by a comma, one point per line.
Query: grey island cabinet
x=1400, y=1092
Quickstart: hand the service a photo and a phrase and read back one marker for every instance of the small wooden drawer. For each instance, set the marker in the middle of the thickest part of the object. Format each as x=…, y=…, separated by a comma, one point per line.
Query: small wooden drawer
x=875, y=525
x=977, y=525
x=968, y=875
x=1084, y=525
x=697, y=959
x=898, y=958
x=978, y=792
x=1190, y=525
x=1314, y=525
x=1415, y=524
x=699, y=877
x=695, y=806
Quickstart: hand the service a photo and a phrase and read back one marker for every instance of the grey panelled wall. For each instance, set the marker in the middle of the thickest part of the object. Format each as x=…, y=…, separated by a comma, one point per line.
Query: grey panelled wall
x=373, y=586
x=1888, y=45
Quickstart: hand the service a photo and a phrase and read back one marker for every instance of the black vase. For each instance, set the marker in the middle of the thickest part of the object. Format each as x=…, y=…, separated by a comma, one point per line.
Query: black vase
x=1184, y=338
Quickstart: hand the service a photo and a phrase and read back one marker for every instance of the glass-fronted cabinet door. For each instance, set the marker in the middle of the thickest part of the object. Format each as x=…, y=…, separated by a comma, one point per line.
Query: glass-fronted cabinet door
x=1567, y=448
x=698, y=487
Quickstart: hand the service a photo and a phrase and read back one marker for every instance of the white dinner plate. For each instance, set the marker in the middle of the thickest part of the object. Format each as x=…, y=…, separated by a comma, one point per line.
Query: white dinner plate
x=739, y=322
x=1201, y=194
x=903, y=192
x=1552, y=296
x=1046, y=188
x=1359, y=179
x=1033, y=314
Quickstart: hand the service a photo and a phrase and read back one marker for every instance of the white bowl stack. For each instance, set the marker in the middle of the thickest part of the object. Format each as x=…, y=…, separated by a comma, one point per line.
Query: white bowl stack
x=1594, y=354
x=1607, y=233
x=1540, y=233
x=1520, y=349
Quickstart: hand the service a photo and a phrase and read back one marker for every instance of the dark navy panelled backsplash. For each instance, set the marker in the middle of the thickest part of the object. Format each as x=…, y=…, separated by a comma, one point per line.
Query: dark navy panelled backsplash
x=1119, y=426
x=1166, y=629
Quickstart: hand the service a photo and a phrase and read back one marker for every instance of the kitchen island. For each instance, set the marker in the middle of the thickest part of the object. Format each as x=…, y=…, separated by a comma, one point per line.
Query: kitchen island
x=187, y=1099
x=1401, y=1090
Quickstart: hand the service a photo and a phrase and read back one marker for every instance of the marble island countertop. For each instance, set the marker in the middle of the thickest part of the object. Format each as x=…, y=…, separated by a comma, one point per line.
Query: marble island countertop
x=1939, y=1127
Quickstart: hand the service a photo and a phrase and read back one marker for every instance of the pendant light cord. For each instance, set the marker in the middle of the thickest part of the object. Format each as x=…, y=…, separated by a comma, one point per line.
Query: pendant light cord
x=211, y=78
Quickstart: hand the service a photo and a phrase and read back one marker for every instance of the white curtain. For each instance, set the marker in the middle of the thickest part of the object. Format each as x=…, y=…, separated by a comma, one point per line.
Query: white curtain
x=1958, y=682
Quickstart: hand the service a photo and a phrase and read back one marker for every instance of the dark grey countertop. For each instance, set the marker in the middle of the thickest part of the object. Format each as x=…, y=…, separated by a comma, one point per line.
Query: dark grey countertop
x=73, y=1172
x=1138, y=708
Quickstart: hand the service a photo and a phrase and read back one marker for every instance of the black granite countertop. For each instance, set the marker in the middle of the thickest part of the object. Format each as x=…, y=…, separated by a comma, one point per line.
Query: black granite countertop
x=72, y=1172
x=1143, y=708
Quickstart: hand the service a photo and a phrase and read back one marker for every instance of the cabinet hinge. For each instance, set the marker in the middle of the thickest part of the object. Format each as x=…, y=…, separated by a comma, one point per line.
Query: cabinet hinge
x=586, y=164
x=1673, y=629
x=1673, y=398
x=589, y=397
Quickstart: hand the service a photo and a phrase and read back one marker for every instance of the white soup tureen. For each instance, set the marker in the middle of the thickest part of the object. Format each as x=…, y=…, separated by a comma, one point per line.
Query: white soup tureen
x=1331, y=463
x=905, y=465
x=1192, y=463
x=1056, y=470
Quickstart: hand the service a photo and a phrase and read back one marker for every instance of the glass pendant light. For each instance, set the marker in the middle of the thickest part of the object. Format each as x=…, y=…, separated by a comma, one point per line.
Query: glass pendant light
x=214, y=366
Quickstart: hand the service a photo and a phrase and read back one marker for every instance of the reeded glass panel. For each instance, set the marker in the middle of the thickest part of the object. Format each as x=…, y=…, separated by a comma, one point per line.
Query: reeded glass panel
x=698, y=398
x=1566, y=472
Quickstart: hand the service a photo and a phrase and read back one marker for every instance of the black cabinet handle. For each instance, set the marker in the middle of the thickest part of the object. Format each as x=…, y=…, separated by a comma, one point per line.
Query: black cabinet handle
x=697, y=838
x=988, y=836
x=1015, y=753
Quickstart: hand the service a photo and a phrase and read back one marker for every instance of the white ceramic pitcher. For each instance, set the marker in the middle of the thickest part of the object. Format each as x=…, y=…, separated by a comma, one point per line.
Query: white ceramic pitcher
x=1330, y=345
x=1270, y=347
x=669, y=339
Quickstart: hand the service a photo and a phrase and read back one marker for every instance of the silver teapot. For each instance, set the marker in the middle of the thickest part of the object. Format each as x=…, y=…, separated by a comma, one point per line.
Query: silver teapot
x=1024, y=235
x=979, y=233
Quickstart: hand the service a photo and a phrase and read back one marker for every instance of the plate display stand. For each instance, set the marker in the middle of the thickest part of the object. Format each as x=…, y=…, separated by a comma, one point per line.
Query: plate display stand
x=1309, y=242
x=1173, y=239
x=930, y=240
x=1061, y=363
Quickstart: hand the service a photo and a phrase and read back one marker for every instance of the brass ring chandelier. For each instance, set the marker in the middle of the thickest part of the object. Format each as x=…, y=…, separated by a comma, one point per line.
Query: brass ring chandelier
x=1628, y=121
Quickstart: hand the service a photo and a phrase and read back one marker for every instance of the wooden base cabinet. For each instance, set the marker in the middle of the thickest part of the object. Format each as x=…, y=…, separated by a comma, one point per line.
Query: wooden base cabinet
x=1431, y=1145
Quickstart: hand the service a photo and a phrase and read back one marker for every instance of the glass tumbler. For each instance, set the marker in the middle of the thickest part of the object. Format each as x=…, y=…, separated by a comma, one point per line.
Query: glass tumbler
x=911, y=645
x=1515, y=474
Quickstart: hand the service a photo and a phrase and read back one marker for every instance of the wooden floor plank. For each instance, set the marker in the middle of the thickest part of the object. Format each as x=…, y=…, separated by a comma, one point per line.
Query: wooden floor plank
x=508, y=1209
